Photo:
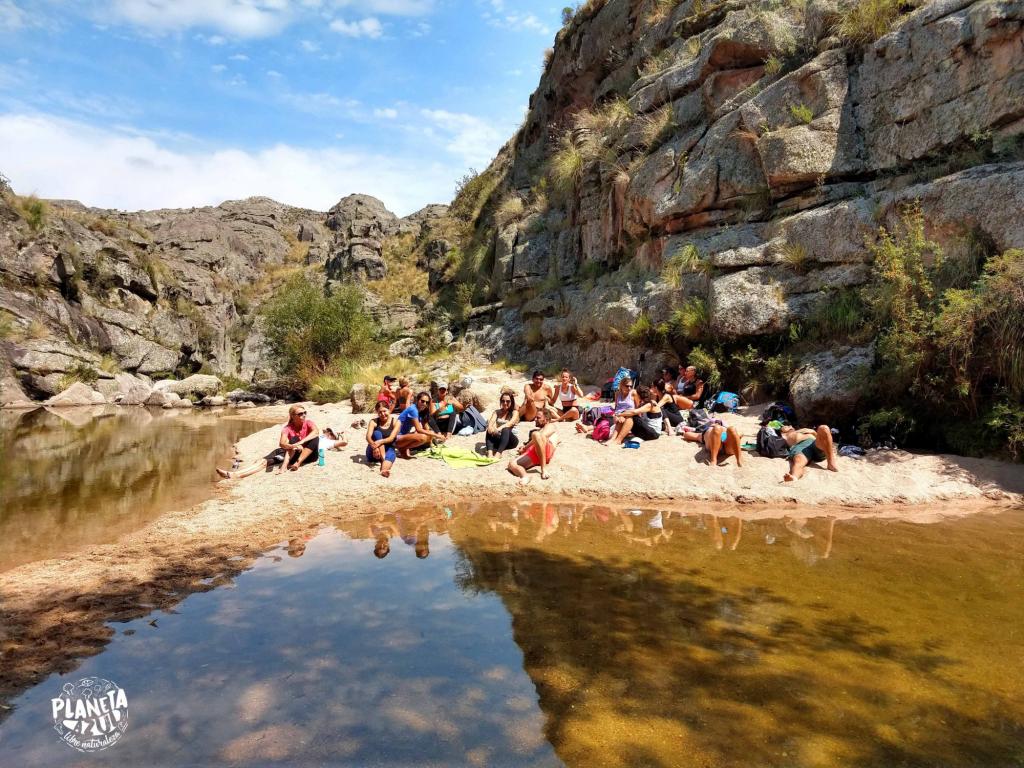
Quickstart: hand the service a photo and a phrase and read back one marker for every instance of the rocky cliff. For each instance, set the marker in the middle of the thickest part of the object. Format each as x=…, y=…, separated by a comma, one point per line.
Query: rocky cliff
x=88, y=293
x=735, y=160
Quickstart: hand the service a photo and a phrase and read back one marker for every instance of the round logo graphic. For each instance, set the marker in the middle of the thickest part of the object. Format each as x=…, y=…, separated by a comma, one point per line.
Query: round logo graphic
x=91, y=714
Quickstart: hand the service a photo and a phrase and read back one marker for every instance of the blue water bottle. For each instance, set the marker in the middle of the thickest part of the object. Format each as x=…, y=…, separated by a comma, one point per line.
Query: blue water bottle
x=323, y=455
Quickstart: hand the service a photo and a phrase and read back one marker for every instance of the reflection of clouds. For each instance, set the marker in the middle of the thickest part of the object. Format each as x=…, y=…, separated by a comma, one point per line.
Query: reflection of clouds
x=283, y=669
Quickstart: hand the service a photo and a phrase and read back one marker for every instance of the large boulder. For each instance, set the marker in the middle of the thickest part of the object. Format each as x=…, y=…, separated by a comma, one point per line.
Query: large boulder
x=124, y=389
x=829, y=385
x=159, y=398
x=360, y=397
x=405, y=348
x=198, y=385
x=78, y=394
x=11, y=393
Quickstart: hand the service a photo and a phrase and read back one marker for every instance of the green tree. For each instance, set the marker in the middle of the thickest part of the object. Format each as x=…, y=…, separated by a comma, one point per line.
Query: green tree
x=310, y=332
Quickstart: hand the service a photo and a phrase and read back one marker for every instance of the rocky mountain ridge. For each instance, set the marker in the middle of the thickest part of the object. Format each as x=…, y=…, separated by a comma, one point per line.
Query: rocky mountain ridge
x=91, y=293
x=736, y=160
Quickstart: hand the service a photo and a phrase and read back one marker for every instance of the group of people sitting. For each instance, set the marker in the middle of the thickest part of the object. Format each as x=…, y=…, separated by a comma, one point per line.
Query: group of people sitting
x=405, y=423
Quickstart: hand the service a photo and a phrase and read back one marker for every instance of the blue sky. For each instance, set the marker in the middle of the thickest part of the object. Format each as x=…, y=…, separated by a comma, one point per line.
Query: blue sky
x=166, y=103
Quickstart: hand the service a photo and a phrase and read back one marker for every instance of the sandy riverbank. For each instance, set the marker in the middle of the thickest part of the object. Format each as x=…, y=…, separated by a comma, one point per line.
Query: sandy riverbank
x=54, y=612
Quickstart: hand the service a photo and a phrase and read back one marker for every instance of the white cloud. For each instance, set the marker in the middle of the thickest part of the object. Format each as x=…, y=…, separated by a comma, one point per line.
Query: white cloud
x=273, y=73
x=519, y=22
x=468, y=137
x=103, y=167
x=309, y=46
x=239, y=57
x=216, y=40
x=11, y=16
x=240, y=18
x=368, y=27
x=218, y=68
x=388, y=7
x=387, y=113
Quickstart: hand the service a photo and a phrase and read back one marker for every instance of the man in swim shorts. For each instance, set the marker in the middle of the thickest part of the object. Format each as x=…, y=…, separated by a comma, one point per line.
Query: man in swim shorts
x=808, y=445
x=538, y=450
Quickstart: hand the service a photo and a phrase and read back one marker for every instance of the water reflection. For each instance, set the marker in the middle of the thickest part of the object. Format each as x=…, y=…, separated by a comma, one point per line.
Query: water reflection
x=533, y=634
x=76, y=476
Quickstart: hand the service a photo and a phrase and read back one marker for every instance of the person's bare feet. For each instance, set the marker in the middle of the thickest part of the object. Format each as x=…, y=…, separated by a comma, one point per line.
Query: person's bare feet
x=403, y=453
x=788, y=478
x=293, y=468
x=385, y=473
x=524, y=480
x=580, y=428
x=831, y=466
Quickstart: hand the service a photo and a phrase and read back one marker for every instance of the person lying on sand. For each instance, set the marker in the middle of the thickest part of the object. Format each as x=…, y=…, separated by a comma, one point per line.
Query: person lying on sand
x=716, y=437
x=414, y=431
x=564, y=398
x=537, y=395
x=381, y=434
x=538, y=450
x=298, y=445
x=808, y=445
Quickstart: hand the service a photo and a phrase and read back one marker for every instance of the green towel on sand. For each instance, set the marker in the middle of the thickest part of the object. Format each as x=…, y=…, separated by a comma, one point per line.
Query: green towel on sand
x=458, y=457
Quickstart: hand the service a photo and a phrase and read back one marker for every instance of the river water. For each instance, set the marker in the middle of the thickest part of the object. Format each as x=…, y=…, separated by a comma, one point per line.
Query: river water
x=72, y=477
x=580, y=635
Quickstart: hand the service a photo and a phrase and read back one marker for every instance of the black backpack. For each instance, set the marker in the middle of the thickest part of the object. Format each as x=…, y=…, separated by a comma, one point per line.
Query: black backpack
x=771, y=444
x=779, y=411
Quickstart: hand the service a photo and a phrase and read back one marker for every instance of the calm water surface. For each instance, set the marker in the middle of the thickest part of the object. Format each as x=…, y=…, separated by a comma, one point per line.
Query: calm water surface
x=579, y=635
x=71, y=477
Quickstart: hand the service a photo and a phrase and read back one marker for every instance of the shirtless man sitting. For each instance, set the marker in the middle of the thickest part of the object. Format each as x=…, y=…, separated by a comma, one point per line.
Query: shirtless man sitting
x=538, y=450
x=537, y=396
x=805, y=446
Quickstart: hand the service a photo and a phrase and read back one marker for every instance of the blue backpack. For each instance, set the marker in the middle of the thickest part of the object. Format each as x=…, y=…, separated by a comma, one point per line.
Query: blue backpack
x=726, y=401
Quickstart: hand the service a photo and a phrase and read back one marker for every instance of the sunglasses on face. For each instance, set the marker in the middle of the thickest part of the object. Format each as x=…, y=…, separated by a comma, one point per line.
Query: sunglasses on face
x=301, y=413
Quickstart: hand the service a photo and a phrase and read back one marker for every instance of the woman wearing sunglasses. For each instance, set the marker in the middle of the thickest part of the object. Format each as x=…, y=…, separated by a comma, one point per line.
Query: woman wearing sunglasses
x=298, y=445
x=500, y=436
x=414, y=431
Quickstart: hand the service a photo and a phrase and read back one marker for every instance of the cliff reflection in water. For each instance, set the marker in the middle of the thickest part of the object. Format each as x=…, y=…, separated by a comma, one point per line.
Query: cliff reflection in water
x=80, y=476
x=656, y=638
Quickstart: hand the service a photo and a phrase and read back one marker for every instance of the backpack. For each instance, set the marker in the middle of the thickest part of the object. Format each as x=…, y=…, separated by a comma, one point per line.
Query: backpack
x=592, y=415
x=602, y=430
x=471, y=417
x=770, y=444
x=779, y=411
x=698, y=418
x=726, y=401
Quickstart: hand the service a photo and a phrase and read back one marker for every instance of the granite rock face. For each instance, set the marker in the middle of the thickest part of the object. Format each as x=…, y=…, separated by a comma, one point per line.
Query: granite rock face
x=169, y=292
x=755, y=156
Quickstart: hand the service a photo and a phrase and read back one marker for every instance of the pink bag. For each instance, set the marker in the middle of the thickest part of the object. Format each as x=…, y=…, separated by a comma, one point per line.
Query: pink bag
x=602, y=430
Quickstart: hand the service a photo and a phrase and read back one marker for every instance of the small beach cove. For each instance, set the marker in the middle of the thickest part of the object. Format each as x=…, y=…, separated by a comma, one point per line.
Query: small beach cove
x=58, y=610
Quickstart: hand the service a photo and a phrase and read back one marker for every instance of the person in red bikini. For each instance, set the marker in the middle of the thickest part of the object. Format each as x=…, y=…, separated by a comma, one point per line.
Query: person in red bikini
x=538, y=450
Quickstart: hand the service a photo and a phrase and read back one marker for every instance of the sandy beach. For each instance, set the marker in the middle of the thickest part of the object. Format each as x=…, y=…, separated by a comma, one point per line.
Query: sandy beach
x=54, y=612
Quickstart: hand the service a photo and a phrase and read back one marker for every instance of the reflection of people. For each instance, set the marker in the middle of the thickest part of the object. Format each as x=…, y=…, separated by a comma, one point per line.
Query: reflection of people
x=538, y=450
x=298, y=445
x=381, y=434
x=807, y=545
x=720, y=533
x=808, y=445
x=382, y=532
